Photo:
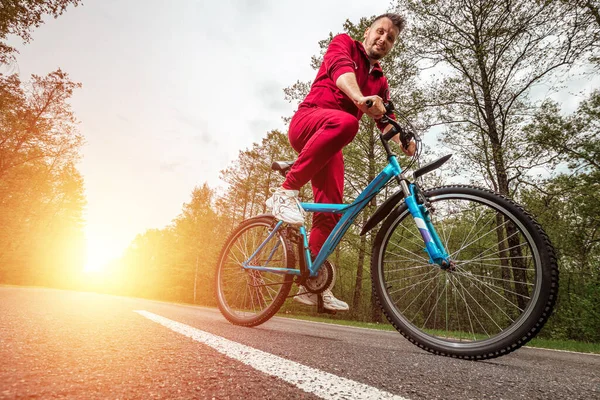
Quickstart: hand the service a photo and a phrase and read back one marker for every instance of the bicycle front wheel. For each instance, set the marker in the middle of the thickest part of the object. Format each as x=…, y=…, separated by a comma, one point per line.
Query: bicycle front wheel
x=249, y=297
x=499, y=295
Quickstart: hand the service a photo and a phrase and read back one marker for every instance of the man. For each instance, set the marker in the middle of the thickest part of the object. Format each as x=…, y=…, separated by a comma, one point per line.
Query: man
x=326, y=121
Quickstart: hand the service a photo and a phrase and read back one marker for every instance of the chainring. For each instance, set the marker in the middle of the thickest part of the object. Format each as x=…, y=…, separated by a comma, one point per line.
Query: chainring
x=324, y=279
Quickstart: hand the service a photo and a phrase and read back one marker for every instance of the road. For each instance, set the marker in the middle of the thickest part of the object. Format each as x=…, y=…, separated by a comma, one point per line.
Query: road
x=61, y=344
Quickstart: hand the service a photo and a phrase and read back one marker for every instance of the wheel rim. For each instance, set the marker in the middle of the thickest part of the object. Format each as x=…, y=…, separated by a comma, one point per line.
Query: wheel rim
x=493, y=288
x=247, y=294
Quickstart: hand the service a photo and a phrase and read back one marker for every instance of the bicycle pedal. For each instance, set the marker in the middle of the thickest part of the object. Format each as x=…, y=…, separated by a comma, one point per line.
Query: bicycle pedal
x=321, y=309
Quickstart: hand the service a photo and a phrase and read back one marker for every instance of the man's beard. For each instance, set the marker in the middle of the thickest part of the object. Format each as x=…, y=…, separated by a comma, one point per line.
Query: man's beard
x=375, y=56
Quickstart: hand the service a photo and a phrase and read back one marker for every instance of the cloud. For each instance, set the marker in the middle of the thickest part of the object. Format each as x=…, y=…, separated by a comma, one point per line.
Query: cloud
x=199, y=132
x=259, y=128
x=123, y=118
x=248, y=8
x=271, y=94
x=190, y=120
x=206, y=139
x=169, y=167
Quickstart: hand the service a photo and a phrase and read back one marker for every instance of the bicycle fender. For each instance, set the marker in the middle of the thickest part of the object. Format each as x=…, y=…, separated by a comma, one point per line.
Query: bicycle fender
x=382, y=211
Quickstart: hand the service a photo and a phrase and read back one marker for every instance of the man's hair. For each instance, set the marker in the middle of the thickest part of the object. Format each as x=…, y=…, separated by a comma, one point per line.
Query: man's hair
x=398, y=20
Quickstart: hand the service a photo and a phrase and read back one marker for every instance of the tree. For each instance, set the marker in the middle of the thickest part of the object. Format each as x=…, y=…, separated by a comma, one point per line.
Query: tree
x=36, y=121
x=176, y=263
x=568, y=206
x=250, y=178
x=19, y=17
x=144, y=267
x=585, y=15
x=41, y=192
x=197, y=236
x=491, y=54
x=574, y=139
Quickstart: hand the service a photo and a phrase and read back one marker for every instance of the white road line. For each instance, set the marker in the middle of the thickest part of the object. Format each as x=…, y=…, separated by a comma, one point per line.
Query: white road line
x=311, y=380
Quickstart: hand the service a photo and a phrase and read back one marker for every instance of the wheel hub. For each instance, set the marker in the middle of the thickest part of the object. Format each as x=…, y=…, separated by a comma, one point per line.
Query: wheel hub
x=323, y=280
x=448, y=266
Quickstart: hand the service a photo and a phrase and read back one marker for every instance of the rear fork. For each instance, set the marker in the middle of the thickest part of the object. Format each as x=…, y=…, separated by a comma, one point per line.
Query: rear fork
x=298, y=238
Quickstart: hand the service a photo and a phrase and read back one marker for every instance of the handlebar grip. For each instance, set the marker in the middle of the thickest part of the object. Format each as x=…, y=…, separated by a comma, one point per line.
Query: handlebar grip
x=405, y=138
x=390, y=134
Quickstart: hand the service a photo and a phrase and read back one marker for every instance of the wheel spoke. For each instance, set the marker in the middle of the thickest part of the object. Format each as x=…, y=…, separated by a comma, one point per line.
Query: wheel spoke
x=410, y=252
x=489, y=293
x=249, y=296
x=489, y=286
x=457, y=252
x=467, y=238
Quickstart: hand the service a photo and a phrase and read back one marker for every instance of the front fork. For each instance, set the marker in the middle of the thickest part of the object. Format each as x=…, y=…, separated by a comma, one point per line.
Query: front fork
x=420, y=210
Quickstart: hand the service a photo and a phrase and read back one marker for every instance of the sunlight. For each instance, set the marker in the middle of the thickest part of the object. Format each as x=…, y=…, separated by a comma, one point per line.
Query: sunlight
x=101, y=250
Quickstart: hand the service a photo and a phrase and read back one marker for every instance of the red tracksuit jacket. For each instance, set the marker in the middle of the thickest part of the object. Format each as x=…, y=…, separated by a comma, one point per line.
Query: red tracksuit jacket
x=346, y=55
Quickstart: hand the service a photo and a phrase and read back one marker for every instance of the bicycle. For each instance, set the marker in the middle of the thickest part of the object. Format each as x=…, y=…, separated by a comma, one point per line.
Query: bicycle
x=478, y=285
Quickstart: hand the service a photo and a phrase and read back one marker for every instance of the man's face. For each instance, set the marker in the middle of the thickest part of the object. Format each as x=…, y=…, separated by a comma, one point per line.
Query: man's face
x=380, y=38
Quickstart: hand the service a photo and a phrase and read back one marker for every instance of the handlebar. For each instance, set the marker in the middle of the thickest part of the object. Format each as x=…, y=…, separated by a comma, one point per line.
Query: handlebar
x=405, y=136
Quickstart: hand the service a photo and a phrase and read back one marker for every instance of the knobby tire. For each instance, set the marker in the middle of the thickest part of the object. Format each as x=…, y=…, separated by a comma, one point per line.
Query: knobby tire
x=503, y=289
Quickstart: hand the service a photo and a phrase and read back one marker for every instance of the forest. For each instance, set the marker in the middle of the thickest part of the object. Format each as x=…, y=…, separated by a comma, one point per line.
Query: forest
x=466, y=75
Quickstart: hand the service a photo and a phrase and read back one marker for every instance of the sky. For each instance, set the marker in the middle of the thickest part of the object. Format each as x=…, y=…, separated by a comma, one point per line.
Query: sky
x=172, y=91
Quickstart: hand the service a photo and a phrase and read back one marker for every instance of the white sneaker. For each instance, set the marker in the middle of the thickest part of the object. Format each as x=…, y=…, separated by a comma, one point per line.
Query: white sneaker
x=329, y=300
x=305, y=297
x=331, y=303
x=286, y=206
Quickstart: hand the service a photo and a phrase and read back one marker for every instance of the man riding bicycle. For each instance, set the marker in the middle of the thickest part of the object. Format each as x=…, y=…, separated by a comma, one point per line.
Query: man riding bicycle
x=349, y=79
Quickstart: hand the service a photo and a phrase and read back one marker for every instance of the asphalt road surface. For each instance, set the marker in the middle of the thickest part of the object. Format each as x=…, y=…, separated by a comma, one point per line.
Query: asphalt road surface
x=60, y=344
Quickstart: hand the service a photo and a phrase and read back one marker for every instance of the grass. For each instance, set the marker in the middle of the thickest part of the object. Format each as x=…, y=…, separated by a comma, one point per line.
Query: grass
x=565, y=345
x=568, y=345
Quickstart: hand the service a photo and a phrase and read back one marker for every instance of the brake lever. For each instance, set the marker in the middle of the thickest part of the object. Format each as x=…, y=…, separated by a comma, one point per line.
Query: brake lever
x=405, y=136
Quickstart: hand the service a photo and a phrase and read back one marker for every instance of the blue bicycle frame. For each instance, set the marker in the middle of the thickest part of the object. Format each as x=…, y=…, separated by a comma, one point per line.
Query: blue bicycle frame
x=433, y=244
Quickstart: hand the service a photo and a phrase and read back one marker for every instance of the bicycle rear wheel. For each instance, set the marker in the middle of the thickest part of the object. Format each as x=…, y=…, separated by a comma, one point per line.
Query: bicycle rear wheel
x=250, y=297
x=501, y=292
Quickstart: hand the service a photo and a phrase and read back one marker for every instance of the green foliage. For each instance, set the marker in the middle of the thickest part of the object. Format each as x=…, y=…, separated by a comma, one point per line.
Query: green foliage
x=487, y=56
x=568, y=206
x=569, y=211
x=250, y=178
x=585, y=15
x=574, y=139
x=176, y=263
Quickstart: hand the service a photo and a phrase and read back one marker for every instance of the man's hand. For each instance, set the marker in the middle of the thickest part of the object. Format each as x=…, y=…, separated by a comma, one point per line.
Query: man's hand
x=347, y=84
x=376, y=111
x=412, y=148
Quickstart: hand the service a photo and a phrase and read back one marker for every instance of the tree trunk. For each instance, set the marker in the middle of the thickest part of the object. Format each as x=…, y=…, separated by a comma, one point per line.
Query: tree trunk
x=502, y=179
x=359, y=274
x=196, y=278
x=503, y=254
x=376, y=315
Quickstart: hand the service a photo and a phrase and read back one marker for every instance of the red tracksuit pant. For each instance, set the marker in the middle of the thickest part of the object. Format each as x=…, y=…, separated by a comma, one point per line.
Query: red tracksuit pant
x=319, y=135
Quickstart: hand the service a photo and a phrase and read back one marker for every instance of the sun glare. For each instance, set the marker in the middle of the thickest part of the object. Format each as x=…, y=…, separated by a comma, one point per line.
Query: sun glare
x=101, y=250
